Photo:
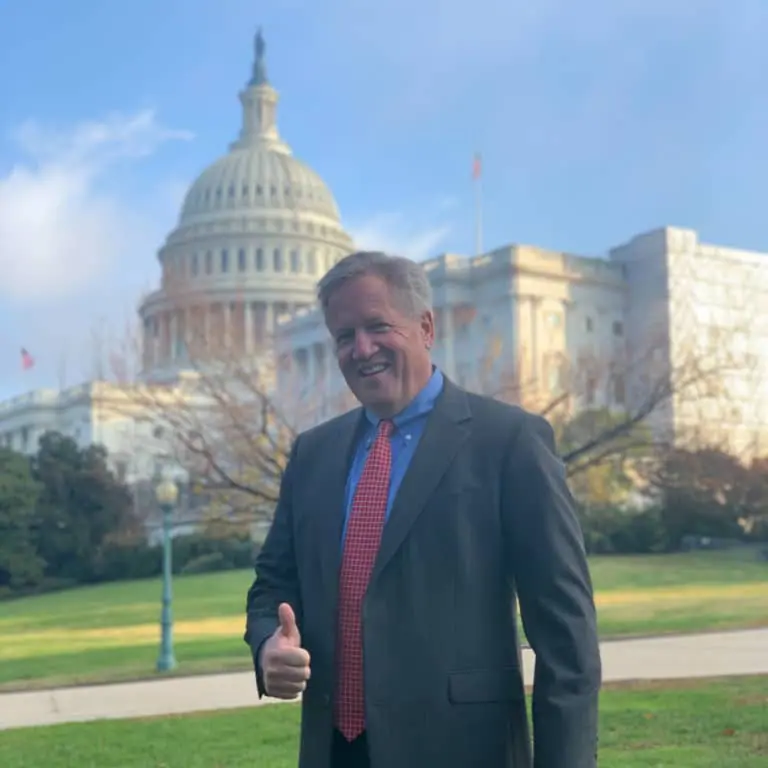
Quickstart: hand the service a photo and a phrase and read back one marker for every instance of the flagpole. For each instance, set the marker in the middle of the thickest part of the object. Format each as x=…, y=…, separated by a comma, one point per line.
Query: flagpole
x=477, y=176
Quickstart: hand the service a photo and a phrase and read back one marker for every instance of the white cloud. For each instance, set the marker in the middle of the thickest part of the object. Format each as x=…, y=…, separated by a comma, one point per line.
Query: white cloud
x=389, y=232
x=62, y=225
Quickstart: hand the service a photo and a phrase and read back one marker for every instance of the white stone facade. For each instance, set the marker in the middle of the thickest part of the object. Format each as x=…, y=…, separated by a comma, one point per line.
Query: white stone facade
x=663, y=310
x=94, y=413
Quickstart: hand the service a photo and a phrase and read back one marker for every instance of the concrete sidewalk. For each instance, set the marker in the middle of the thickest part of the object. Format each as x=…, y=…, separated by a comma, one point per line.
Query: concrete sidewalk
x=663, y=658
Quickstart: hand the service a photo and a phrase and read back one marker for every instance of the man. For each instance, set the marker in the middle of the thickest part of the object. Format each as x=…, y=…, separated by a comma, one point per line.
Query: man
x=385, y=590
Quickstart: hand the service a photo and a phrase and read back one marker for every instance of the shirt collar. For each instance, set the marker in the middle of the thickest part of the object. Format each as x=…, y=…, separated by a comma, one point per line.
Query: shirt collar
x=423, y=403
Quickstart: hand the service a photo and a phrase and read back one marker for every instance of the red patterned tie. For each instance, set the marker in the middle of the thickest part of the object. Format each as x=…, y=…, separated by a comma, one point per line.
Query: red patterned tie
x=366, y=522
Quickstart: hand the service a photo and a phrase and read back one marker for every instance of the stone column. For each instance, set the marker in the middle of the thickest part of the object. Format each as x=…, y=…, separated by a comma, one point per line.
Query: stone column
x=227, y=307
x=449, y=341
x=174, y=335
x=248, y=320
x=186, y=331
x=206, y=345
x=145, y=348
x=309, y=384
x=534, y=303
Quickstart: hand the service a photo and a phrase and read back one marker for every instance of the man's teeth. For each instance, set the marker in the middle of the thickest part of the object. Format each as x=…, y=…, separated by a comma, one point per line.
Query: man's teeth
x=370, y=370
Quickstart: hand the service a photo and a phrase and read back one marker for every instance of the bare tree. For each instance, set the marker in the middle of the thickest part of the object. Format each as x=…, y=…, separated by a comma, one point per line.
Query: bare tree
x=219, y=416
x=615, y=408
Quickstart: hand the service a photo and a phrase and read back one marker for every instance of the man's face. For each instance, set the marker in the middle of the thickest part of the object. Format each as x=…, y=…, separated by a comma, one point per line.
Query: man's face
x=383, y=352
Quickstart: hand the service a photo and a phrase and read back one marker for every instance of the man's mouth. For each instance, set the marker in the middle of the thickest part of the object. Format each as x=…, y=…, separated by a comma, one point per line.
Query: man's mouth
x=372, y=369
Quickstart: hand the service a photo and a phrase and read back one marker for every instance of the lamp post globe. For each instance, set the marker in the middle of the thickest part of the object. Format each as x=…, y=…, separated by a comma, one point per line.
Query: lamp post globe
x=167, y=494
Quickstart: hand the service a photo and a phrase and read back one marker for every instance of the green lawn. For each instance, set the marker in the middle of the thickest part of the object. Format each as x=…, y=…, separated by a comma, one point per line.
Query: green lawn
x=110, y=632
x=712, y=724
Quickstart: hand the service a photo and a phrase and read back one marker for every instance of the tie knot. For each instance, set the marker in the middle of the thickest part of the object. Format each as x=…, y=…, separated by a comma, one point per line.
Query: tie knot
x=385, y=428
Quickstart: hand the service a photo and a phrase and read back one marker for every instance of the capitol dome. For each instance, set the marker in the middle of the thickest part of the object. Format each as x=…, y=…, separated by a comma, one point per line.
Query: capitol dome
x=257, y=230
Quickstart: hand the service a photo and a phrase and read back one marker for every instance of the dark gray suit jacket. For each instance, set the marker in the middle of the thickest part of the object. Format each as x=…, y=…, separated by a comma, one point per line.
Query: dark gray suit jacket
x=483, y=515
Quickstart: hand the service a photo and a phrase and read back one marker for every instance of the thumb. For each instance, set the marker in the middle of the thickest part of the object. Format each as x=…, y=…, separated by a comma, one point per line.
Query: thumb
x=288, y=628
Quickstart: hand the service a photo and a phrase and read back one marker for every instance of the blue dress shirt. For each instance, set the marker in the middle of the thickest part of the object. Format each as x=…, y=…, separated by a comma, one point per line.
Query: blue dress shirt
x=409, y=427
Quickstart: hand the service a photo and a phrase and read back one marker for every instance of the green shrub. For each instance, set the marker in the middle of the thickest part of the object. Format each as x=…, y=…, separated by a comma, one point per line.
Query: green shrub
x=611, y=531
x=210, y=563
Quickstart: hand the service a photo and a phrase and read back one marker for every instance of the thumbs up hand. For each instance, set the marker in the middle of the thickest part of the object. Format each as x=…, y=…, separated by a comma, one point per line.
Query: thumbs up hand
x=284, y=663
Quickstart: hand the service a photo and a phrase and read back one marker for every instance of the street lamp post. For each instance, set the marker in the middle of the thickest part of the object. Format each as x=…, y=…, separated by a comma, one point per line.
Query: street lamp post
x=167, y=493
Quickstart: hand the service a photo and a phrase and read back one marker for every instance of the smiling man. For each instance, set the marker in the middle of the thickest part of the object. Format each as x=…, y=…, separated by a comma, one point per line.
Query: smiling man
x=405, y=532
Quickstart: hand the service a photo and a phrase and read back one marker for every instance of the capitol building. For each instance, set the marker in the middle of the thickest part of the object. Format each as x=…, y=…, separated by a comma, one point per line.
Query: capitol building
x=257, y=229
x=663, y=319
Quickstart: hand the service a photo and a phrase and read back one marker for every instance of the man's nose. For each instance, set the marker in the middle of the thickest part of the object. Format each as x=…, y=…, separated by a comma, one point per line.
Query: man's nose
x=363, y=347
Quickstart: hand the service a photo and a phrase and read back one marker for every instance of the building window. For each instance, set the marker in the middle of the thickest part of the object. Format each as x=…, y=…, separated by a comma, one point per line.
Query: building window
x=618, y=328
x=225, y=261
x=273, y=191
x=241, y=260
x=231, y=191
x=589, y=325
x=555, y=374
x=218, y=194
x=259, y=259
x=259, y=190
x=195, y=265
x=295, y=261
x=619, y=390
x=208, y=263
x=277, y=260
x=311, y=263
x=245, y=190
x=590, y=390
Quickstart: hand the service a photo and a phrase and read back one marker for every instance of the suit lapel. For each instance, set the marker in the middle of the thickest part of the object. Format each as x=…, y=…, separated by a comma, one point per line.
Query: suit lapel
x=446, y=429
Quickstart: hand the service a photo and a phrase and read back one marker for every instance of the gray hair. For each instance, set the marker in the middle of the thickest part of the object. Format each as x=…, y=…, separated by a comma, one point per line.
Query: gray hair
x=406, y=278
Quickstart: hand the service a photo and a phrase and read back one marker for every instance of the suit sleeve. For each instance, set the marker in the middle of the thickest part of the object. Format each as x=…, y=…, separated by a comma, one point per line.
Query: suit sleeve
x=276, y=579
x=549, y=567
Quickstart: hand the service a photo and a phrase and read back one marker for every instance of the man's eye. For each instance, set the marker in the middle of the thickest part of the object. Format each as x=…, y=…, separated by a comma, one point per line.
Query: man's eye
x=379, y=327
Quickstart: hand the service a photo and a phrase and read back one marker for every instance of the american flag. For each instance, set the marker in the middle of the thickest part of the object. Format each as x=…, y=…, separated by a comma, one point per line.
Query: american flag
x=27, y=361
x=477, y=166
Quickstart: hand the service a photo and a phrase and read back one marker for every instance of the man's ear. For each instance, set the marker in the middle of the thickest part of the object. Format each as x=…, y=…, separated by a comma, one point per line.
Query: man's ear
x=428, y=327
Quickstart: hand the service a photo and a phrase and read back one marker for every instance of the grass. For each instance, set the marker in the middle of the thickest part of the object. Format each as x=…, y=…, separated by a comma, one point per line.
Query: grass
x=110, y=632
x=709, y=724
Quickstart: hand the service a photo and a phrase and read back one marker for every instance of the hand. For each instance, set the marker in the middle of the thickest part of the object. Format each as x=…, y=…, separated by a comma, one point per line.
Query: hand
x=284, y=663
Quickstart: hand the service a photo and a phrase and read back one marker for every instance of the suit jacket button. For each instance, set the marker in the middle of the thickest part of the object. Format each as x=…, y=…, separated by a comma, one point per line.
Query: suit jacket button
x=326, y=699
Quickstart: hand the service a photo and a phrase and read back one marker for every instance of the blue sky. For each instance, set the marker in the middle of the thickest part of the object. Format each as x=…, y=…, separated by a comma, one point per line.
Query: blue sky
x=596, y=120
